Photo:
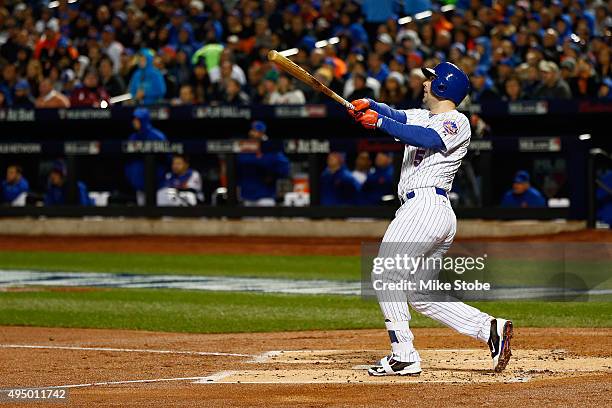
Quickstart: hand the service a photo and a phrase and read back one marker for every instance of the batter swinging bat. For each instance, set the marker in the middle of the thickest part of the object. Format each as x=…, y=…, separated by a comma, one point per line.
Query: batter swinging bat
x=299, y=73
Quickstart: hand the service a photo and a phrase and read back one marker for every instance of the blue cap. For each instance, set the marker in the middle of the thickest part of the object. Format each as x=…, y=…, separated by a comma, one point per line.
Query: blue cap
x=400, y=59
x=481, y=72
x=108, y=29
x=62, y=42
x=507, y=61
x=459, y=46
x=521, y=176
x=21, y=85
x=259, y=126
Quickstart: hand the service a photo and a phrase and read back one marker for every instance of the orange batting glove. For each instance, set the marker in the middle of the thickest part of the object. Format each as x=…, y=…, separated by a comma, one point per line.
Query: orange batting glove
x=360, y=105
x=368, y=119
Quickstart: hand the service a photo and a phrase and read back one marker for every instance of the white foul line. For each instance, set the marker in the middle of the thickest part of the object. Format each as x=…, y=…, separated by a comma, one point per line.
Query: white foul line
x=124, y=382
x=215, y=377
x=125, y=350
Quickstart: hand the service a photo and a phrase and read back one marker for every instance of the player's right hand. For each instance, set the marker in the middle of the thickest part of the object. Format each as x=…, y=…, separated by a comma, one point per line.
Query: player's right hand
x=368, y=119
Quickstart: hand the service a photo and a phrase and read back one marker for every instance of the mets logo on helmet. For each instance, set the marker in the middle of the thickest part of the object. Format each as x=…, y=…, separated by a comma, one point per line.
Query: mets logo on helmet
x=450, y=127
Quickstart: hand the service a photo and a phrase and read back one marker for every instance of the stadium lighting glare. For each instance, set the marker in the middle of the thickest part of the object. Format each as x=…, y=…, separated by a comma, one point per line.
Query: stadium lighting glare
x=54, y=4
x=325, y=43
x=424, y=14
x=585, y=136
x=404, y=20
x=289, y=52
x=120, y=98
x=104, y=104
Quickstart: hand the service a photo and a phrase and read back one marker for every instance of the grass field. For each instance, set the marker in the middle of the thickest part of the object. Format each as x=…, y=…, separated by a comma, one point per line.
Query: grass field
x=295, y=267
x=198, y=311
x=210, y=312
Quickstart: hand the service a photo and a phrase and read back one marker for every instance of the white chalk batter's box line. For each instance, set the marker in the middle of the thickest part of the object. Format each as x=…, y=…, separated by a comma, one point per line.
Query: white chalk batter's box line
x=262, y=358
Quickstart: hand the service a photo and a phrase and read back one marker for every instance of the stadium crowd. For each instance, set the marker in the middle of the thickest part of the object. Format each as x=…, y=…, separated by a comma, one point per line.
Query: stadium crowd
x=59, y=54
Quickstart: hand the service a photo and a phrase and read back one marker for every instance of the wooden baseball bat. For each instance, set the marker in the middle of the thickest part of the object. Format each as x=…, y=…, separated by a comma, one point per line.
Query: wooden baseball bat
x=300, y=73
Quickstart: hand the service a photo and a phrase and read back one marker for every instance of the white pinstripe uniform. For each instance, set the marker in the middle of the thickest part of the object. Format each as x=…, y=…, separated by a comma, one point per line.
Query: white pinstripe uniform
x=425, y=224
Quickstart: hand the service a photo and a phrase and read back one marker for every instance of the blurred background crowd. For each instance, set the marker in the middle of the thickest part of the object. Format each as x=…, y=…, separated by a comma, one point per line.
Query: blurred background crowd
x=59, y=54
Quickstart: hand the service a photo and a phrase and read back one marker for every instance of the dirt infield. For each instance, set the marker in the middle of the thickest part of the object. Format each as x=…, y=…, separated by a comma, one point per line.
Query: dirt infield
x=550, y=367
x=241, y=245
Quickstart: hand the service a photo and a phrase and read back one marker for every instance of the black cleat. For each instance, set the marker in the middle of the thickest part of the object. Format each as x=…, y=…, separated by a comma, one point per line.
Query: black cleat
x=499, y=343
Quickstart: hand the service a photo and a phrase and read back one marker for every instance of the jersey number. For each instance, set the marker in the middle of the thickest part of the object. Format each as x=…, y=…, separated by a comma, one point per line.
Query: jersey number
x=418, y=156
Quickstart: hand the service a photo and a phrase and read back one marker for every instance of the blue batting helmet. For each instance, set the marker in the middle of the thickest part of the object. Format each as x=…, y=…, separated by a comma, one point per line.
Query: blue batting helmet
x=448, y=81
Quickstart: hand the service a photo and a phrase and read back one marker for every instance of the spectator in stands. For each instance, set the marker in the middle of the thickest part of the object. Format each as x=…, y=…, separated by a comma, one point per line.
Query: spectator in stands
x=363, y=165
x=134, y=170
x=109, y=80
x=15, y=187
x=49, y=97
x=23, y=98
x=337, y=184
x=233, y=94
x=379, y=183
x=512, y=90
x=361, y=90
x=359, y=78
x=147, y=84
x=285, y=94
x=182, y=186
x=258, y=172
x=57, y=190
x=393, y=92
x=552, y=86
x=377, y=68
x=414, y=95
x=110, y=47
x=605, y=90
x=186, y=96
x=522, y=195
x=90, y=94
x=584, y=84
x=483, y=89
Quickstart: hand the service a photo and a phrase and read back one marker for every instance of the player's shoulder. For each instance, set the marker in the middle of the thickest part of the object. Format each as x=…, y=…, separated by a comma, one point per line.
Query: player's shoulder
x=454, y=122
x=413, y=114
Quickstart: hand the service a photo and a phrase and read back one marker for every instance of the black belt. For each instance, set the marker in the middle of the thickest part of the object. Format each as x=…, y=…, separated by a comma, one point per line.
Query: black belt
x=439, y=191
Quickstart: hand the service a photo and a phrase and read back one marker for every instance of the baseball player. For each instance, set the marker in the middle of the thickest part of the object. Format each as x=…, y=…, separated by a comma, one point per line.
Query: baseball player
x=436, y=139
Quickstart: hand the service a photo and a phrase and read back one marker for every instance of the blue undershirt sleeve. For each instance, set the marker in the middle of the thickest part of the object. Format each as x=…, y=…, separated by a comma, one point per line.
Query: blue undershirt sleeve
x=412, y=135
x=385, y=110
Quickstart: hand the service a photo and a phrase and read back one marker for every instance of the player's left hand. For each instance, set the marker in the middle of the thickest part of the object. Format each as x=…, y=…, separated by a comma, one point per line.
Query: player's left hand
x=368, y=119
x=360, y=105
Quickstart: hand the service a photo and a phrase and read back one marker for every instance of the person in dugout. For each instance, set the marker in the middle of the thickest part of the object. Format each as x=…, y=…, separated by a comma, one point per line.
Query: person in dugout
x=182, y=186
x=379, y=183
x=57, y=193
x=604, y=198
x=522, y=194
x=258, y=172
x=338, y=186
x=15, y=187
x=134, y=170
